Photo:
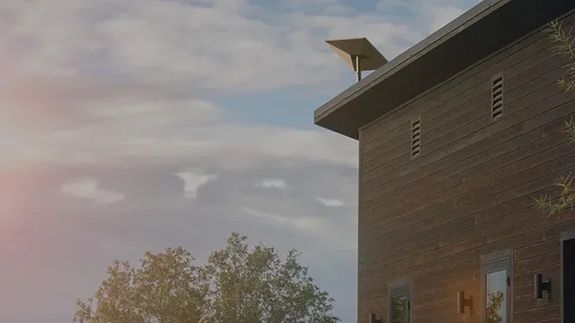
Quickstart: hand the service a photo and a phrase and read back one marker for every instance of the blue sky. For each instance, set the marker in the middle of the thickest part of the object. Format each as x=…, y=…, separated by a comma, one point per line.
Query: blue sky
x=135, y=125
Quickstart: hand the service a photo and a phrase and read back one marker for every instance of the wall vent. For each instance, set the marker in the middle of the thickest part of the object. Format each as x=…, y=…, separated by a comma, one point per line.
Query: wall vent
x=497, y=91
x=415, y=137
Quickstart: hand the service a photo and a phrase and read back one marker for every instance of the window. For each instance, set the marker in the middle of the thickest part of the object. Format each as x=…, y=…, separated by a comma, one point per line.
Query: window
x=497, y=287
x=415, y=137
x=568, y=259
x=497, y=91
x=400, y=304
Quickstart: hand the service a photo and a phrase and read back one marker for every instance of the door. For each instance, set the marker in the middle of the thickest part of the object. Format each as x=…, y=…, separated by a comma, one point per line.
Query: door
x=497, y=290
x=496, y=296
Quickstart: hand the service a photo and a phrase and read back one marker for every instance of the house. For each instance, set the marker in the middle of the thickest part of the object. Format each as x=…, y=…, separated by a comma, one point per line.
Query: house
x=457, y=136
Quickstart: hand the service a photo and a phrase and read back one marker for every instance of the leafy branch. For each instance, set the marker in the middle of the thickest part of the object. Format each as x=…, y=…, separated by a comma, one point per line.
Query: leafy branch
x=569, y=129
x=563, y=40
x=564, y=44
x=566, y=200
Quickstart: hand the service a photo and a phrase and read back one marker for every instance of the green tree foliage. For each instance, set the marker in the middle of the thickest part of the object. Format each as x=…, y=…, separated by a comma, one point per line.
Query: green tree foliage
x=494, y=306
x=165, y=288
x=399, y=310
x=564, y=44
x=565, y=200
x=237, y=285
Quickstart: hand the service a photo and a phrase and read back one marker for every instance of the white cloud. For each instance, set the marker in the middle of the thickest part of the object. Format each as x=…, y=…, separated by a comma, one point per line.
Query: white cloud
x=88, y=188
x=330, y=231
x=116, y=142
x=427, y=15
x=217, y=45
x=441, y=16
x=147, y=111
x=194, y=181
x=272, y=183
x=130, y=76
x=330, y=202
x=308, y=224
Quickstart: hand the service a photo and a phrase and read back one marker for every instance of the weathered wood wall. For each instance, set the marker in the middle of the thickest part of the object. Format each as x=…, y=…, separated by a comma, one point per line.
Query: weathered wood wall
x=470, y=192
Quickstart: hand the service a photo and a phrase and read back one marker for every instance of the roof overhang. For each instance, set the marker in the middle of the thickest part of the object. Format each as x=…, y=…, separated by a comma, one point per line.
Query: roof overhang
x=483, y=30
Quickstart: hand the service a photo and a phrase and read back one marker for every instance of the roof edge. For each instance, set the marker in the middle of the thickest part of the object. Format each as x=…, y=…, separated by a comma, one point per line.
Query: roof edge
x=453, y=40
x=439, y=36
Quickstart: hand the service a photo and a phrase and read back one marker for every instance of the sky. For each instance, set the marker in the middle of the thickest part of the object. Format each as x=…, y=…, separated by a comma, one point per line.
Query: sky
x=136, y=125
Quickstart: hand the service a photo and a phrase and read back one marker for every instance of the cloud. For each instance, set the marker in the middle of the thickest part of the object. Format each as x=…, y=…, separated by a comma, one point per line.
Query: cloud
x=300, y=223
x=135, y=79
x=441, y=16
x=115, y=141
x=426, y=15
x=88, y=188
x=132, y=79
x=194, y=181
x=330, y=202
x=183, y=45
x=272, y=183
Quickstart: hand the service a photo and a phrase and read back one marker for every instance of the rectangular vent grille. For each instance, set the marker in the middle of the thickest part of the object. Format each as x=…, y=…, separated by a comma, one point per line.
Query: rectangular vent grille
x=497, y=96
x=415, y=137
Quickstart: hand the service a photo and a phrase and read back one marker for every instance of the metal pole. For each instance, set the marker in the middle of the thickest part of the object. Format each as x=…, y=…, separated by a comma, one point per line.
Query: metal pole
x=358, y=67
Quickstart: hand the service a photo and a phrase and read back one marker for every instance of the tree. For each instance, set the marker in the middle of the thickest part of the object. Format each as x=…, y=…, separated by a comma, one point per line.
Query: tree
x=256, y=286
x=237, y=285
x=165, y=288
x=564, y=45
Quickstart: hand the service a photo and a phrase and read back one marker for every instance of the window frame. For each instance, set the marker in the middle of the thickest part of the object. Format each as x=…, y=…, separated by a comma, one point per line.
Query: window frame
x=491, y=263
x=402, y=288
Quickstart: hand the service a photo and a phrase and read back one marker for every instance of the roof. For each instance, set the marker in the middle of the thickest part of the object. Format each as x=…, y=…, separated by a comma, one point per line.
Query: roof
x=481, y=31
